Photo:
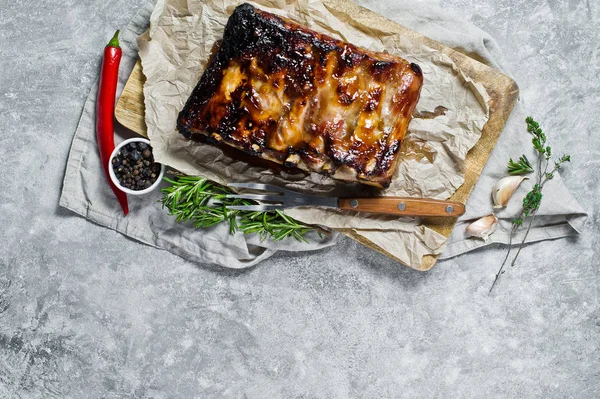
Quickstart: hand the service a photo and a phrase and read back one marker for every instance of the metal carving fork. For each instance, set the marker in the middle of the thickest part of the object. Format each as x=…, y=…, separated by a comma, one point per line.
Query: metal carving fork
x=281, y=198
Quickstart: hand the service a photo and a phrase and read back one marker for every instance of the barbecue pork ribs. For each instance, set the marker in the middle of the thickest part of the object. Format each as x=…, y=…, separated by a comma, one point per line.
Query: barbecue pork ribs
x=285, y=93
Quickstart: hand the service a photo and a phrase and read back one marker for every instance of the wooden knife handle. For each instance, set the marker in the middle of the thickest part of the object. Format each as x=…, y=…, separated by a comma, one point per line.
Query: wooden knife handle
x=403, y=206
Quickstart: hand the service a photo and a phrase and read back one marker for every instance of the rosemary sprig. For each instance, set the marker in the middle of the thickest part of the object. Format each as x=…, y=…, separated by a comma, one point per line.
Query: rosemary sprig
x=533, y=199
x=521, y=167
x=198, y=200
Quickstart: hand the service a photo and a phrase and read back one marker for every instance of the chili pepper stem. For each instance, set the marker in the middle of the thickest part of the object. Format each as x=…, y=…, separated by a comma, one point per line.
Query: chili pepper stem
x=114, y=42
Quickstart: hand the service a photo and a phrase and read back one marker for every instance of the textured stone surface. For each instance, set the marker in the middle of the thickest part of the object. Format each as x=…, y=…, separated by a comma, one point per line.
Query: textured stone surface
x=85, y=312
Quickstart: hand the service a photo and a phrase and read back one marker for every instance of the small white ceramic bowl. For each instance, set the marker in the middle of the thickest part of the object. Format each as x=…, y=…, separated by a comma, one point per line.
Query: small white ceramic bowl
x=114, y=179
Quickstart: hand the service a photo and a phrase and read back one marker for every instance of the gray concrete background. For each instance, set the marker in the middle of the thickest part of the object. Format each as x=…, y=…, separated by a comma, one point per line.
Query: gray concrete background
x=87, y=313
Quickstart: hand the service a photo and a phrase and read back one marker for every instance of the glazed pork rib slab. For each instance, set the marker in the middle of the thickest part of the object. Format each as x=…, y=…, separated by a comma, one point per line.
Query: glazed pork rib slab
x=285, y=93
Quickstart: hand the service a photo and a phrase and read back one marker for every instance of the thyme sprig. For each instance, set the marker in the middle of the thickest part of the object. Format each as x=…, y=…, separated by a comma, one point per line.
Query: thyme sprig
x=533, y=199
x=202, y=202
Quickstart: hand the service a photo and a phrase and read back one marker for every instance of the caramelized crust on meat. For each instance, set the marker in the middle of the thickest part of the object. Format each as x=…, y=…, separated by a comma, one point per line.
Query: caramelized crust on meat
x=283, y=92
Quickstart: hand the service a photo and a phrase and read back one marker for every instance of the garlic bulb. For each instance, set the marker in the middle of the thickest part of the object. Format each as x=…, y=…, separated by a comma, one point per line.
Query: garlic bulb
x=504, y=189
x=483, y=227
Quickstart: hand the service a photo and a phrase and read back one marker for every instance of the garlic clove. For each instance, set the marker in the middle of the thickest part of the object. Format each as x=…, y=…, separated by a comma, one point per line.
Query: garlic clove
x=483, y=227
x=504, y=189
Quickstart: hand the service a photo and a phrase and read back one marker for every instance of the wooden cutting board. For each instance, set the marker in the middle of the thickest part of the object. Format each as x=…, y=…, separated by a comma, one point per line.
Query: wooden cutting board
x=502, y=90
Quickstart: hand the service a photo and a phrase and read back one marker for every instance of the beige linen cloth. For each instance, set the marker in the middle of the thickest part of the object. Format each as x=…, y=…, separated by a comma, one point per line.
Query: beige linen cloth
x=85, y=193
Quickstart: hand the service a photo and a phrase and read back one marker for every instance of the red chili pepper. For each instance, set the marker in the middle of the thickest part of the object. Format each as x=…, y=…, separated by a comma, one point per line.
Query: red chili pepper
x=105, y=111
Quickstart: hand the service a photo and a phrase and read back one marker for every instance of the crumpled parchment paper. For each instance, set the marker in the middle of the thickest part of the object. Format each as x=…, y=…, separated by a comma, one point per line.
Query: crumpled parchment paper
x=448, y=119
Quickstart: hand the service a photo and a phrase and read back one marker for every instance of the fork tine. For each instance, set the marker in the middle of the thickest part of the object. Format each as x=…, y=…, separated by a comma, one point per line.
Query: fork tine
x=266, y=187
x=260, y=197
x=256, y=186
x=254, y=208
